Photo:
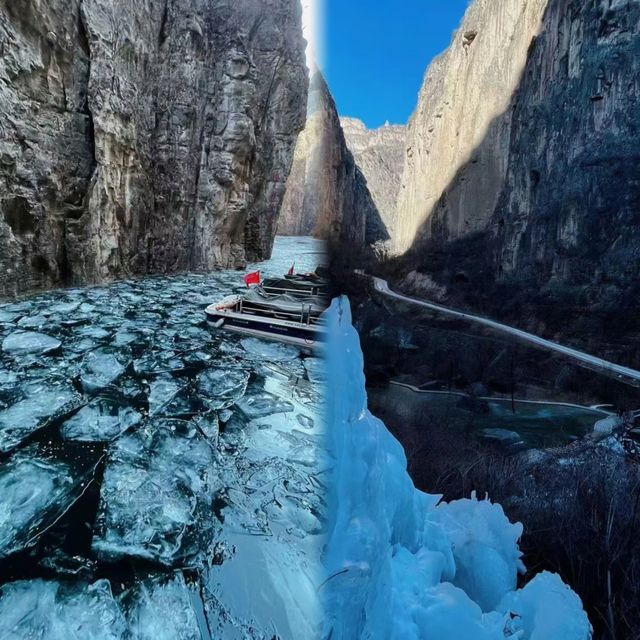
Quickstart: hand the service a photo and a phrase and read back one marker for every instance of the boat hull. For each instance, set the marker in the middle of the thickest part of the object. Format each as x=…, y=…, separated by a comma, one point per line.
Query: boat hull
x=303, y=336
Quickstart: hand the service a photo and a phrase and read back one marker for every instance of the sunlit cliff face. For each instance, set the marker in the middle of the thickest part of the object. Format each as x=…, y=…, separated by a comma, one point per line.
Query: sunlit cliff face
x=458, y=139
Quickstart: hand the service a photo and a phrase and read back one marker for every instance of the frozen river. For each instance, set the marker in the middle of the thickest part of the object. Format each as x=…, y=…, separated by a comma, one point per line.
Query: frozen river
x=158, y=479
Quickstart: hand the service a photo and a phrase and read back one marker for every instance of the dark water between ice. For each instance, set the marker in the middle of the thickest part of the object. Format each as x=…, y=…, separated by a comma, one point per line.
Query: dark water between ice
x=158, y=479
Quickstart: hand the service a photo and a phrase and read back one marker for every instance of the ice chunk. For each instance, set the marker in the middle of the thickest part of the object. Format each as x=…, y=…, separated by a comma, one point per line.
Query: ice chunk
x=156, y=496
x=545, y=609
x=100, y=421
x=209, y=425
x=24, y=342
x=35, y=491
x=162, y=393
x=400, y=564
x=485, y=549
x=42, y=404
x=257, y=403
x=221, y=388
x=316, y=371
x=8, y=315
x=64, y=308
x=275, y=351
x=160, y=608
x=100, y=368
x=49, y=610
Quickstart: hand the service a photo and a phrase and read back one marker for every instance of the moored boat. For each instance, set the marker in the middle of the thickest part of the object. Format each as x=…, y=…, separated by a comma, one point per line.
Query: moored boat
x=287, y=309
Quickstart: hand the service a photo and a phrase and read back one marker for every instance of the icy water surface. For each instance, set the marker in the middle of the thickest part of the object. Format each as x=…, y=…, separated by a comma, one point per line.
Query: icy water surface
x=158, y=478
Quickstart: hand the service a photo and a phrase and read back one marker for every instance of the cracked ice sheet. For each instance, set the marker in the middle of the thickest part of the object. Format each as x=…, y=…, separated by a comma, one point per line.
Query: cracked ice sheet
x=272, y=533
x=40, y=404
x=36, y=489
x=155, y=500
x=156, y=608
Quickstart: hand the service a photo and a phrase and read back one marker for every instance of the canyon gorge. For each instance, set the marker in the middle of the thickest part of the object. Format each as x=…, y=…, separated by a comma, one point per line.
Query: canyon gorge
x=143, y=137
x=327, y=193
x=519, y=194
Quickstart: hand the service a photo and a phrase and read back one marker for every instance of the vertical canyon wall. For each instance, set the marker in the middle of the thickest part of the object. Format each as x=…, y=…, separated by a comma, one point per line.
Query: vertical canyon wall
x=327, y=194
x=521, y=191
x=153, y=136
x=458, y=136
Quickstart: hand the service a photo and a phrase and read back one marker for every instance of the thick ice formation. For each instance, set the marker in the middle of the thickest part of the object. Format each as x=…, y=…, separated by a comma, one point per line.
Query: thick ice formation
x=400, y=565
x=156, y=496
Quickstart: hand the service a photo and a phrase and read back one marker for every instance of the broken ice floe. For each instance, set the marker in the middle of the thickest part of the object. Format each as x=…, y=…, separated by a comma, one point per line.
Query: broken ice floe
x=100, y=421
x=274, y=351
x=51, y=610
x=26, y=342
x=40, y=404
x=162, y=608
x=156, y=496
x=36, y=489
x=221, y=388
x=257, y=403
x=100, y=368
x=155, y=608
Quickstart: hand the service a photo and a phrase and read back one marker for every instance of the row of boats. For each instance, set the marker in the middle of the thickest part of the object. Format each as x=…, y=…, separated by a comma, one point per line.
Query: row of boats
x=286, y=309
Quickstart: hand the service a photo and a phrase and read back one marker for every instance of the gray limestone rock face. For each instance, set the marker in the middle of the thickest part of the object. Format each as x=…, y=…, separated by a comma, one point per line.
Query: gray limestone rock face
x=521, y=191
x=379, y=153
x=143, y=137
x=327, y=194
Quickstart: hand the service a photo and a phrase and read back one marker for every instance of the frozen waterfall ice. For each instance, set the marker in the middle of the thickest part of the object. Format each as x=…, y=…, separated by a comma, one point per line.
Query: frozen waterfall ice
x=401, y=564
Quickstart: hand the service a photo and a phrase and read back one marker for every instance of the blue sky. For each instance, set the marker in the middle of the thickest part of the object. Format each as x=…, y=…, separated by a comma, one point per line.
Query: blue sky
x=376, y=53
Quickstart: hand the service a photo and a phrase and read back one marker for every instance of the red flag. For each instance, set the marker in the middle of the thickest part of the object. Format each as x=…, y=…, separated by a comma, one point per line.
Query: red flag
x=291, y=271
x=252, y=278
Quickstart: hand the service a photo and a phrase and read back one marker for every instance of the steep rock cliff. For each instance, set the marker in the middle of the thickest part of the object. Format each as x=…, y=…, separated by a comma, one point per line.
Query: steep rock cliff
x=379, y=153
x=143, y=137
x=458, y=137
x=531, y=209
x=327, y=194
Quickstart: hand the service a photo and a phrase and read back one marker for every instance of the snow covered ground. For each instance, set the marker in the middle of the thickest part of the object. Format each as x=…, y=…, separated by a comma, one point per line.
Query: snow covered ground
x=401, y=564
